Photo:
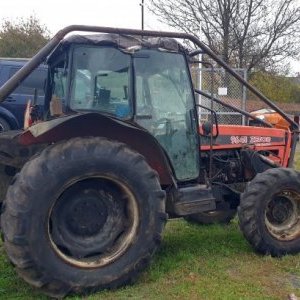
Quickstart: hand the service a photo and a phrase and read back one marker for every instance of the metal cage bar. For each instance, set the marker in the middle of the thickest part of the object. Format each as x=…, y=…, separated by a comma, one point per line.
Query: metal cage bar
x=37, y=59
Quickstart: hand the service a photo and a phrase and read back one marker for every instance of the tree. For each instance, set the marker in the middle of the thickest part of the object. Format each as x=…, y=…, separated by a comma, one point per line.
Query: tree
x=277, y=88
x=249, y=34
x=22, y=38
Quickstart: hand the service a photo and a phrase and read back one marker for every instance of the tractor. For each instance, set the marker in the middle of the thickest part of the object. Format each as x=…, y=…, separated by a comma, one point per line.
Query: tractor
x=119, y=149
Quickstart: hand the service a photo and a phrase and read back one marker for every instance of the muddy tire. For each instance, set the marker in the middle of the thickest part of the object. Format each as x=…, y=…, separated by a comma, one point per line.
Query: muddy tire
x=269, y=212
x=85, y=214
x=212, y=217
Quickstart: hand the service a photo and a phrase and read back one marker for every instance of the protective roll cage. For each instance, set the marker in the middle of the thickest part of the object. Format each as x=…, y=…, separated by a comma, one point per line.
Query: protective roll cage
x=18, y=77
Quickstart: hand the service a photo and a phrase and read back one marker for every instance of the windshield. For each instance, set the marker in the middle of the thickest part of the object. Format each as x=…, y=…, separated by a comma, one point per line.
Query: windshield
x=100, y=80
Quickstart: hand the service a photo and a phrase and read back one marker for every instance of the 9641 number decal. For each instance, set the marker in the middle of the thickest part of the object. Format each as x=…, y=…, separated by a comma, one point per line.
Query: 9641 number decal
x=244, y=139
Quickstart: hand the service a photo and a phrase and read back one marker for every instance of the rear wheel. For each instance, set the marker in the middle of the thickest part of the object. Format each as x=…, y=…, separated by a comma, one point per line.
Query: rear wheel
x=84, y=214
x=269, y=212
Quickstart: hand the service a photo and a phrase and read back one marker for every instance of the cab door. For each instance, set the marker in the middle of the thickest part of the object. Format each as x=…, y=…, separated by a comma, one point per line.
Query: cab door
x=165, y=107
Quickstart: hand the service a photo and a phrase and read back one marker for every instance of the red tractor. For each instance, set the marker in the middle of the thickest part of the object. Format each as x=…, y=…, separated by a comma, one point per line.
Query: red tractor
x=116, y=152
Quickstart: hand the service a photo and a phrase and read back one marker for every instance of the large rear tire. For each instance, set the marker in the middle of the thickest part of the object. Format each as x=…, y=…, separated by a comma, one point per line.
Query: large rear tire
x=269, y=212
x=85, y=214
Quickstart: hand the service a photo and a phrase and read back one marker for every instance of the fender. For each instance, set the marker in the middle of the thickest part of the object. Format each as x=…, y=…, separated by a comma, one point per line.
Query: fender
x=96, y=124
x=9, y=117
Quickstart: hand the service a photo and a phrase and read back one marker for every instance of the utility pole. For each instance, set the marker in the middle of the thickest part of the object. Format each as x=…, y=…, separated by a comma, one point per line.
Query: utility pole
x=142, y=13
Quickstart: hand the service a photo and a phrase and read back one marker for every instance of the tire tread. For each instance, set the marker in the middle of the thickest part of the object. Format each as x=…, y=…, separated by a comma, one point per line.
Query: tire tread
x=18, y=197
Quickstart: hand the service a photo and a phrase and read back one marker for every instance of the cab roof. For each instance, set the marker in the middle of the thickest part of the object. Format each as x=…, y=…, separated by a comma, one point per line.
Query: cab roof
x=124, y=42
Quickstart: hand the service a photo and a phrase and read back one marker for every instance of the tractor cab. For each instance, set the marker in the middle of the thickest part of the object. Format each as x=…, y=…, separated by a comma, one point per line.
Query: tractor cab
x=117, y=152
x=143, y=82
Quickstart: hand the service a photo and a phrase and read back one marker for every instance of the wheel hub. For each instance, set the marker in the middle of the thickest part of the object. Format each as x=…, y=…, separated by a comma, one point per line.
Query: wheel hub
x=282, y=215
x=93, y=222
x=87, y=214
x=280, y=210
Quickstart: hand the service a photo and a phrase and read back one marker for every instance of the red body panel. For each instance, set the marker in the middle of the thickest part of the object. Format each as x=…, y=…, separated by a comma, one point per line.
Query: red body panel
x=276, y=141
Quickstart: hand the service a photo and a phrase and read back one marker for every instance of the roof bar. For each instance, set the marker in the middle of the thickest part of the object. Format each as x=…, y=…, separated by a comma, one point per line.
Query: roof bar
x=233, y=107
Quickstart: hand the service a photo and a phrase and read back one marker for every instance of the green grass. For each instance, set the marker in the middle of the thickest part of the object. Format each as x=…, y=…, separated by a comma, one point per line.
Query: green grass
x=297, y=161
x=194, y=262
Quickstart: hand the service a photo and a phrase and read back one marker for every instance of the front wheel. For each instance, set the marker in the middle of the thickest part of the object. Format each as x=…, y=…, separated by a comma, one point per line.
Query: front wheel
x=85, y=214
x=269, y=212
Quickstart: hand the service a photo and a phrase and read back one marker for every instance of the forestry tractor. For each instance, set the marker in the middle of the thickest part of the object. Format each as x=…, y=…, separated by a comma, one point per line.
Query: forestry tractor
x=119, y=149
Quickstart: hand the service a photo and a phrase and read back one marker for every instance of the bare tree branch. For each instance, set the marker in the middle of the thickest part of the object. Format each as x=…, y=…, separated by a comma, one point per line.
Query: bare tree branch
x=256, y=34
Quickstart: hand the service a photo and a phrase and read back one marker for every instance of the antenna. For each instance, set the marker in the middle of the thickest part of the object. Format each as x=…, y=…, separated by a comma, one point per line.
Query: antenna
x=142, y=14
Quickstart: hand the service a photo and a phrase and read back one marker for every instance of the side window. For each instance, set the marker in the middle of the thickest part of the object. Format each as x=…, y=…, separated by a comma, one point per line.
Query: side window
x=2, y=78
x=60, y=81
x=100, y=80
x=55, y=103
x=82, y=88
x=35, y=80
x=116, y=83
x=143, y=103
x=166, y=97
x=139, y=89
x=165, y=106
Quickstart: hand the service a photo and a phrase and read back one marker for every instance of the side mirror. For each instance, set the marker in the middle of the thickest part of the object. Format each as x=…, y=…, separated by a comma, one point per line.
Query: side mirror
x=206, y=128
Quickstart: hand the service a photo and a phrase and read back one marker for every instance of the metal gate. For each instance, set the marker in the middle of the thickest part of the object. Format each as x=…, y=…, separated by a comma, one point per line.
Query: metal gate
x=220, y=84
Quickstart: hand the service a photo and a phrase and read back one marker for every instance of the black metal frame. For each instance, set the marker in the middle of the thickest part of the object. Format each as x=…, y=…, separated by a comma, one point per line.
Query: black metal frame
x=245, y=113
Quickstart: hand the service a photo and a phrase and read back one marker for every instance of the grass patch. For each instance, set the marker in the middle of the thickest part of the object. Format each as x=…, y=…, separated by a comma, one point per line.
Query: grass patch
x=194, y=262
x=297, y=161
x=211, y=262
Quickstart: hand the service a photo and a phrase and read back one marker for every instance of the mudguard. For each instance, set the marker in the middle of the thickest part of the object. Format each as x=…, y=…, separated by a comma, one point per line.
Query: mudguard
x=96, y=124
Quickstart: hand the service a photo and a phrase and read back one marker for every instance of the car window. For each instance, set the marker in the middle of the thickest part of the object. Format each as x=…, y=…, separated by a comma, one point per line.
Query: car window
x=35, y=80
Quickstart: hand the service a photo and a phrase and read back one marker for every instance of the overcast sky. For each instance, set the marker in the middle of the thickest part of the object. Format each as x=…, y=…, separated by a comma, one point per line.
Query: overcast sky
x=56, y=14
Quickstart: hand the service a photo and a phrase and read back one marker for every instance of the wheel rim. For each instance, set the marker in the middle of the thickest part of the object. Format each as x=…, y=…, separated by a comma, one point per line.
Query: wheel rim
x=282, y=215
x=93, y=222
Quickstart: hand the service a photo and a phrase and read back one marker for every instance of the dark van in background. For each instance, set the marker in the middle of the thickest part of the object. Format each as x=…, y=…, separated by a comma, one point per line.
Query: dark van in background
x=13, y=108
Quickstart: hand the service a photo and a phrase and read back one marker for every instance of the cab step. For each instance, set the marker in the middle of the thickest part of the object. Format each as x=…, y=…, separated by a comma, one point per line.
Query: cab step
x=193, y=199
